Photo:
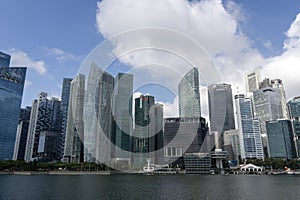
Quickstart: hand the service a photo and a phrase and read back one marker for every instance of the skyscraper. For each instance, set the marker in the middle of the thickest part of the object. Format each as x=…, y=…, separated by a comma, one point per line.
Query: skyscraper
x=143, y=142
x=281, y=139
x=12, y=81
x=294, y=114
x=22, y=131
x=65, y=97
x=249, y=129
x=220, y=104
x=267, y=107
x=45, y=116
x=4, y=60
x=252, y=81
x=74, y=151
x=122, y=116
x=189, y=96
x=98, y=115
x=232, y=141
x=278, y=83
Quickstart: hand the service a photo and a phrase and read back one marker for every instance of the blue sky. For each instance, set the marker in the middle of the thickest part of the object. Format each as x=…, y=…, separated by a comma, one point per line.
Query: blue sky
x=62, y=33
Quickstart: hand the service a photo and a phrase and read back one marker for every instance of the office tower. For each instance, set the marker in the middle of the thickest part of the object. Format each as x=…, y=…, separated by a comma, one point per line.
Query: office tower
x=157, y=116
x=249, y=129
x=189, y=96
x=281, y=139
x=220, y=104
x=232, y=141
x=278, y=84
x=294, y=114
x=267, y=107
x=4, y=60
x=65, y=97
x=252, y=81
x=22, y=131
x=98, y=116
x=12, y=81
x=122, y=116
x=45, y=116
x=184, y=135
x=74, y=151
x=143, y=144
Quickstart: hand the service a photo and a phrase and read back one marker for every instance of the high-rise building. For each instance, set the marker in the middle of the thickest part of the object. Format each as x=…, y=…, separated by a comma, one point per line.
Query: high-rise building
x=65, y=97
x=220, y=104
x=157, y=116
x=294, y=114
x=12, y=81
x=267, y=107
x=122, y=116
x=281, y=139
x=184, y=135
x=22, y=131
x=74, y=150
x=249, y=129
x=278, y=83
x=45, y=116
x=252, y=80
x=189, y=95
x=4, y=60
x=98, y=115
x=231, y=139
x=144, y=143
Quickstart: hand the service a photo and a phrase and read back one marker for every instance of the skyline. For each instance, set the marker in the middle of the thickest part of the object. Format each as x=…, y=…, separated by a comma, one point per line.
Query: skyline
x=246, y=42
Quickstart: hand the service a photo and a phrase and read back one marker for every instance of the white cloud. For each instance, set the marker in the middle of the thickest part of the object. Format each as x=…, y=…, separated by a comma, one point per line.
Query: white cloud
x=213, y=24
x=21, y=59
x=27, y=84
x=61, y=55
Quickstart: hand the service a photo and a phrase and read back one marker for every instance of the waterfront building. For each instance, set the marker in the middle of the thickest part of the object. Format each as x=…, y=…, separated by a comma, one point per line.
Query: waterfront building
x=197, y=163
x=4, y=60
x=65, y=97
x=122, y=118
x=45, y=116
x=232, y=141
x=22, y=131
x=281, y=139
x=267, y=107
x=74, y=151
x=252, y=81
x=189, y=95
x=249, y=129
x=220, y=102
x=184, y=135
x=294, y=114
x=12, y=81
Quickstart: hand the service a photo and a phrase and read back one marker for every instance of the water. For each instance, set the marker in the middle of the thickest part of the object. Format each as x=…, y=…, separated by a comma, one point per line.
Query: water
x=149, y=187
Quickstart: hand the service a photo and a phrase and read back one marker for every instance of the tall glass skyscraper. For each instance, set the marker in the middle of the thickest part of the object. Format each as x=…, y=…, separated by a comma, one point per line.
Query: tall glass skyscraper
x=65, y=97
x=74, y=151
x=220, y=104
x=281, y=139
x=4, y=60
x=122, y=116
x=252, y=80
x=189, y=96
x=267, y=107
x=249, y=129
x=12, y=81
x=294, y=114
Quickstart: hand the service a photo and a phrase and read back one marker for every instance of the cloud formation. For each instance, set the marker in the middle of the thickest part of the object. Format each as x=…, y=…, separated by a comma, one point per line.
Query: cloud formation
x=61, y=55
x=215, y=25
x=21, y=59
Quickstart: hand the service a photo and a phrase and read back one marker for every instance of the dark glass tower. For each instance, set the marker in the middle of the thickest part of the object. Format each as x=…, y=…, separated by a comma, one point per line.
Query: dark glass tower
x=4, y=60
x=294, y=114
x=12, y=81
x=189, y=96
x=65, y=96
x=220, y=104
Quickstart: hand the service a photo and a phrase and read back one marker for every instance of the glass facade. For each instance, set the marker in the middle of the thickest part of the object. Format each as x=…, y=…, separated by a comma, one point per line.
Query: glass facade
x=281, y=139
x=252, y=80
x=12, y=81
x=249, y=129
x=4, y=60
x=220, y=104
x=294, y=114
x=189, y=96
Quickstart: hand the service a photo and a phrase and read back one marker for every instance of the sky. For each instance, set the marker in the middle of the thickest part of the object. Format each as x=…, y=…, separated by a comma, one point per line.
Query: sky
x=52, y=39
